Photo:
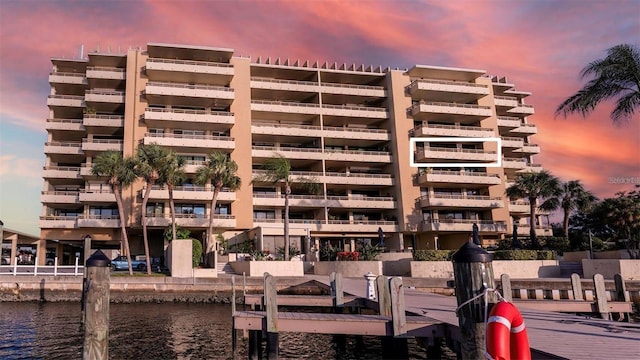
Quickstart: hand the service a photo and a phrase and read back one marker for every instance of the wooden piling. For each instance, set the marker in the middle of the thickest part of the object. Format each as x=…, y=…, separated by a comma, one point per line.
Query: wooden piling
x=505, y=282
x=398, y=319
x=473, y=274
x=384, y=295
x=337, y=292
x=621, y=295
x=271, y=305
x=576, y=286
x=601, y=296
x=96, y=315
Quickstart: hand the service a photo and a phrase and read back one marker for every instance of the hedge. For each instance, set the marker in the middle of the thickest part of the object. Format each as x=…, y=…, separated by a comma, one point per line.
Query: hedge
x=433, y=255
x=523, y=255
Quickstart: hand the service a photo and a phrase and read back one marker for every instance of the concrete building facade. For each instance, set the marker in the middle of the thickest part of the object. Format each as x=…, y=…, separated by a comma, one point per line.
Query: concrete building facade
x=355, y=130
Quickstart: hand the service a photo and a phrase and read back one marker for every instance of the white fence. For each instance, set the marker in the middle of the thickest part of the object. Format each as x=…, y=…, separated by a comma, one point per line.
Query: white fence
x=53, y=270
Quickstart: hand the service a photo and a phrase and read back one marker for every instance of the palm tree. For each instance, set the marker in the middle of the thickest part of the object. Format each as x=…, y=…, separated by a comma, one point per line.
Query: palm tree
x=533, y=186
x=151, y=160
x=615, y=76
x=172, y=174
x=120, y=173
x=220, y=171
x=574, y=197
x=278, y=169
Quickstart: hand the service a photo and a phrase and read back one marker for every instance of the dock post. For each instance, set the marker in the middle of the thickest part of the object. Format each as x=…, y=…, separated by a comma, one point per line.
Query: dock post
x=601, y=296
x=399, y=319
x=576, y=287
x=335, y=279
x=473, y=274
x=96, y=315
x=505, y=282
x=371, y=285
x=233, y=318
x=621, y=295
x=271, y=305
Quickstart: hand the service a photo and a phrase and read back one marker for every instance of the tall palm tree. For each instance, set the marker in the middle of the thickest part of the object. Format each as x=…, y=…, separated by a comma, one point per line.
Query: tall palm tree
x=151, y=160
x=533, y=186
x=220, y=171
x=574, y=197
x=615, y=76
x=278, y=169
x=120, y=173
x=172, y=174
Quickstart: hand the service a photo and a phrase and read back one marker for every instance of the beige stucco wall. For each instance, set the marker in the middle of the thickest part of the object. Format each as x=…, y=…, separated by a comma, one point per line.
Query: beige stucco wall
x=629, y=269
x=575, y=255
x=179, y=255
x=348, y=268
x=275, y=268
x=525, y=269
x=396, y=264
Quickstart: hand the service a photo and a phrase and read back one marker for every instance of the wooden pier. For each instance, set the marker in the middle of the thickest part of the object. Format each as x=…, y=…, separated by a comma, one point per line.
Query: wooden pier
x=431, y=317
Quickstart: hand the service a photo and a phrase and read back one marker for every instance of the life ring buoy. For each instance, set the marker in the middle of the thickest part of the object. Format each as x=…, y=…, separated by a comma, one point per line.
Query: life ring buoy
x=507, y=334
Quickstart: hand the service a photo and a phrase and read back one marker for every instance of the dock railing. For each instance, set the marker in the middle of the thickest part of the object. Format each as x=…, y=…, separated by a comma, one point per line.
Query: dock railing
x=43, y=270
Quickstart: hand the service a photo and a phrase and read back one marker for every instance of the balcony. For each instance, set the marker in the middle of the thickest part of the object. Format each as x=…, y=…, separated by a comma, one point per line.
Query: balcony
x=441, y=90
x=358, y=179
x=459, y=177
x=188, y=141
x=445, y=110
x=64, y=124
x=540, y=230
x=352, y=133
x=274, y=199
x=184, y=70
x=105, y=196
x=456, y=155
x=59, y=197
x=525, y=129
x=104, y=96
x=191, y=166
x=105, y=121
x=61, y=172
x=464, y=201
x=64, y=148
x=514, y=163
x=509, y=122
x=353, y=90
x=451, y=130
x=202, y=95
x=95, y=145
x=58, y=222
x=67, y=78
x=179, y=118
x=512, y=142
x=358, y=156
x=192, y=220
x=361, y=201
x=65, y=101
x=519, y=207
x=506, y=101
x=266, y=152
x=529, y=149
x=106, y=73
x=316, y=109
x=271, y=84
x=533, y=168
x=522, y=109
x=336, y=226
x=463, y=225
x=99, y=221
x=191, y=193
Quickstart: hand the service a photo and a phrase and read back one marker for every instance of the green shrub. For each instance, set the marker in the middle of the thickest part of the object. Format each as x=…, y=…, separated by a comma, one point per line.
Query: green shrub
x=328, y=253
x=369, y=252
x=197, y=252
x=523, y=255
x=181, y=233
x=433, y=255
x=559, y=244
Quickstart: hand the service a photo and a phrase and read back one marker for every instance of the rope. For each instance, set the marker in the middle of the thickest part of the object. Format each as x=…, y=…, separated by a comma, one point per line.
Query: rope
x=486, y=311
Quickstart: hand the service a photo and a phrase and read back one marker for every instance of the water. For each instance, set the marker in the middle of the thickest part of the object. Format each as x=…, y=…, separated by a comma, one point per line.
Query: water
x=158, y=331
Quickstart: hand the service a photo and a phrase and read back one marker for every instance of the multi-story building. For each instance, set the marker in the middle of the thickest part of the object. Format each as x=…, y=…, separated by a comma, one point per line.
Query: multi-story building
x=414, y=153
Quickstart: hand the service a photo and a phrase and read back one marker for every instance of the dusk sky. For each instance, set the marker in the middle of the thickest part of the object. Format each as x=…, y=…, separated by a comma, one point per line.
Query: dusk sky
x=539, y=45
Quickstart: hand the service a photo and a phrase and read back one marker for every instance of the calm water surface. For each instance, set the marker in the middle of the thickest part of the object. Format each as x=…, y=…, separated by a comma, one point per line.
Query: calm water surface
x=157, y=331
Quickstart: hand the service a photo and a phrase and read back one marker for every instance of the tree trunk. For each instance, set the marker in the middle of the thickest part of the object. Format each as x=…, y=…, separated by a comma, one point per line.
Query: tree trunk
x=287, y=192
x=117, y=192
x=565, y=223
x=172, y=207
x=211, y=240
x=532, y=223
x=145, y=238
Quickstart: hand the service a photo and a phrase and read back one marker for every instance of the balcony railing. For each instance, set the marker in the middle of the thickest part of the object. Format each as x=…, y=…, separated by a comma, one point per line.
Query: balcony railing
x=189, y=62
x=189, y=86
x=189, y=136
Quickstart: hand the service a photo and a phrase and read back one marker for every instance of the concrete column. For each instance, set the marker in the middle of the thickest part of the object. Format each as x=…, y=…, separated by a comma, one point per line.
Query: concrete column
x=14, y=247
x=41, y=251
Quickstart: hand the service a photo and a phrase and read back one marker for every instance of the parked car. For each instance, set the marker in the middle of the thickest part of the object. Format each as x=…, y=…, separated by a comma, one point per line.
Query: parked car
x=120, y=263
x=6, y=260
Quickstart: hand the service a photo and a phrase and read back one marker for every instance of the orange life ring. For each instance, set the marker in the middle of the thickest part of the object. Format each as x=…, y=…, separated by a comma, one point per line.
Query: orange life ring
x=506, y=333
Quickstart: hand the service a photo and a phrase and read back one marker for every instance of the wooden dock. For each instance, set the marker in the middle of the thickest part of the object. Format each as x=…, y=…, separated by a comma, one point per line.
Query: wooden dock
x=551, y=335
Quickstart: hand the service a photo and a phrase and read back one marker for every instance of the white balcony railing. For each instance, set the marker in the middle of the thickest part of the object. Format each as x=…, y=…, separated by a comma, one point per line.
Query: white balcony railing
x=459, y=177
x=460, y=200
x=181, y=116
x=451, y=130
x=64, y=124
x=61, y=172
x=59, y=77
x=190, y=140
x=463, y=225
x=94, y=120
x=59, y=147
x=192, y=66
x=102, y=145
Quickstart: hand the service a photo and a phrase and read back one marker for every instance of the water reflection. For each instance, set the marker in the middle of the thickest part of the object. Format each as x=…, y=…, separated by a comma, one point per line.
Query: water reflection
x=157, y=331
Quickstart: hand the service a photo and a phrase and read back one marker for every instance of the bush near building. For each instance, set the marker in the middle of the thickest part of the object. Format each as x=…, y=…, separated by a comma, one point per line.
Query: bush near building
x=433, y=255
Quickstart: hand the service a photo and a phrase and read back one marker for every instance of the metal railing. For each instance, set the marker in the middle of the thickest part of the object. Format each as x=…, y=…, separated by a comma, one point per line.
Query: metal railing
x=188, y=62
x=43, y=270
x=189, y=111
x=189, y=86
